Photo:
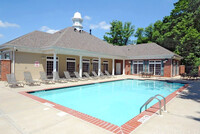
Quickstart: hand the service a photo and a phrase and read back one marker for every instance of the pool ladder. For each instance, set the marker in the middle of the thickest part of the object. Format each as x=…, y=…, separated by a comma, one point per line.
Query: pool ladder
x=151, y=99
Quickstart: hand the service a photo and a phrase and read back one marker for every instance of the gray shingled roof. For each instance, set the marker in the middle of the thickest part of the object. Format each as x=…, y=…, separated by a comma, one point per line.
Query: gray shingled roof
x=147, y=51
x=35, y=39
x=68, y=38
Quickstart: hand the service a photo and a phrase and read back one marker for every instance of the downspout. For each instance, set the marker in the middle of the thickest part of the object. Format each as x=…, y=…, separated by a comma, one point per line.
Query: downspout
x=13, y=60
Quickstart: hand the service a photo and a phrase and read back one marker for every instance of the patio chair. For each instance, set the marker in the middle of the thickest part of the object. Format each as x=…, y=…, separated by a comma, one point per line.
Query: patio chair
x=88, y=76
x=68, y=77
x=78, y=77
x=44, y=78
x=108, y=74
x=95, y=75
x=105, y=76
x=58, y=79
x=29, y=80
x=12, y=82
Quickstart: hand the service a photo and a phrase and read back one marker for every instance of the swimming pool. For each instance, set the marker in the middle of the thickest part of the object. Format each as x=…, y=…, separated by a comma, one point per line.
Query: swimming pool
x=115, y=102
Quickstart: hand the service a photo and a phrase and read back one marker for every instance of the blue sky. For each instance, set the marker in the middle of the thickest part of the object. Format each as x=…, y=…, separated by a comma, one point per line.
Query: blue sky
x=18, y=17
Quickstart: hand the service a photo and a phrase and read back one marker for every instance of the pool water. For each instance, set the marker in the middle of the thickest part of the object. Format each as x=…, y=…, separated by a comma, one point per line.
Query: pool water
x=116, y=102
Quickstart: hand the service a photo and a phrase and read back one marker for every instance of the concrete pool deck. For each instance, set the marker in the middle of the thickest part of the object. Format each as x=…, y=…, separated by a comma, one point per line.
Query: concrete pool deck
x=22, y=115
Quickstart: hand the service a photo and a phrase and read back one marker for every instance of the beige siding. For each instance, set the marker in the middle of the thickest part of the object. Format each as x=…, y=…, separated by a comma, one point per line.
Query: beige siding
x=63, y=64
x=26, y=62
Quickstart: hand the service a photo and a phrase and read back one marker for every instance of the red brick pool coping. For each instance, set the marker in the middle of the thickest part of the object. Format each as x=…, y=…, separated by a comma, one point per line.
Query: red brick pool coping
x=126, y=128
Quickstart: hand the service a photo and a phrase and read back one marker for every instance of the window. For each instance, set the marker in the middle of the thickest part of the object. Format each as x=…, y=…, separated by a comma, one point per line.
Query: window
x=71, y=65
x=155, y=67
x=105, y=66
x=86, y=65
x=50, y=65
x=158, y=69
x=7, y=55
x=137, y=67
x=95, y=65
x=151, y=68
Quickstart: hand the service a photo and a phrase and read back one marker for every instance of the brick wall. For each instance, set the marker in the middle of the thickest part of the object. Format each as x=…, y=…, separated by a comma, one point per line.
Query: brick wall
x=5, y=69
x=167, y=68
x=181, y=69
x=127, y=67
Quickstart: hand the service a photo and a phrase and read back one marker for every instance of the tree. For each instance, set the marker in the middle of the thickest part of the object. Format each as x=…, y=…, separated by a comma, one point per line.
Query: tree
x=179, y=32
x=144, y=35
x=119, y=33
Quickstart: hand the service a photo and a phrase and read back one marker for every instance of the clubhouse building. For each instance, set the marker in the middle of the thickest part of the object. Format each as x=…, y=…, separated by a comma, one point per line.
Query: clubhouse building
x=73, y=49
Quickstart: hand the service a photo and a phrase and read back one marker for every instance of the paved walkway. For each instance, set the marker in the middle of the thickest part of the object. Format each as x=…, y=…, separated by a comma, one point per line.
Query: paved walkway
x=22, y=115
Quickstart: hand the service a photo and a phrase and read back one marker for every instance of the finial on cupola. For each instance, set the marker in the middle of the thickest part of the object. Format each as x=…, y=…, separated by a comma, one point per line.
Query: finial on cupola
x=77, y=21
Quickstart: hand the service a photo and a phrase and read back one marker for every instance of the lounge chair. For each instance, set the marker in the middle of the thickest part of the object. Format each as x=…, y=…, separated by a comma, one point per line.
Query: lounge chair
x=12, y=82
x=29, y=80
x=58, y=79
x=108, y=74
x=68, y=77
x=88, y=76
x=78, y=77
x=95, y=75
x=44, y=78
x=105, y=76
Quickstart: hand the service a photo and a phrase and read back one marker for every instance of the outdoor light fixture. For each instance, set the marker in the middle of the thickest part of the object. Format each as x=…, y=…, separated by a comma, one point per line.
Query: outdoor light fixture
x=165, y=60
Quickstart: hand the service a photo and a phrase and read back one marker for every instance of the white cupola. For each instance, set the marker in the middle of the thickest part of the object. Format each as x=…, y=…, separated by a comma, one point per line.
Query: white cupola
x=77, y=21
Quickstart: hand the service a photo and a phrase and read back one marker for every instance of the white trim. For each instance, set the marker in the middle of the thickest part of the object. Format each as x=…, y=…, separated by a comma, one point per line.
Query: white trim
x=105, y=62
x=13, y=62
x=70, y=60
x=85, y=60
x=80, y=66
x=99, y=67
x=54, y=64
x=95, y=60
x=113, y=66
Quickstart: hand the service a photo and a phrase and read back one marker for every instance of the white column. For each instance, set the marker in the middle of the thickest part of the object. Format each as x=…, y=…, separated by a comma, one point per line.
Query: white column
x=113, y=66
x=80, y=66
x=54, y=65
x=123, y=67
x=99, y=67
x=13, y=61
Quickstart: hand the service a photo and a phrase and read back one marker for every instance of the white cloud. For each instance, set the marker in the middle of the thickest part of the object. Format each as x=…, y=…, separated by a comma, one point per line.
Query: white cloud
x=1, y=35
x=100, y=25
x=48, y=30
x=7, y=24
x=87, y=17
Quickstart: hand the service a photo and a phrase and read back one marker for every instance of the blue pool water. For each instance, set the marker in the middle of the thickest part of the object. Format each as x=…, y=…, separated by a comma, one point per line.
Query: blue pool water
x=116, y=102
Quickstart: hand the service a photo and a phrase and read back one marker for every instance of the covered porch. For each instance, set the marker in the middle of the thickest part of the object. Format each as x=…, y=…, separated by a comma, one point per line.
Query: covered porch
x=60, y=61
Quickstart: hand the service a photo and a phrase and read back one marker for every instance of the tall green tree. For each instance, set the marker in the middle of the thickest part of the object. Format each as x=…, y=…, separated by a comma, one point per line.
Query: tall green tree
x=179, y=32
x=144, y=35
x=119, y=33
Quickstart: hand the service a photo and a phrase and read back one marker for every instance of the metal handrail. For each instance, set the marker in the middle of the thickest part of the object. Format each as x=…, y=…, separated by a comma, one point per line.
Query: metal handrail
x=151, y=99
x=164, y=100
